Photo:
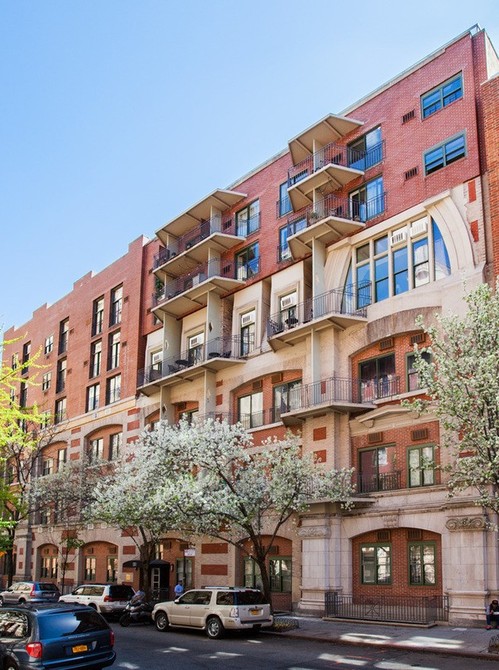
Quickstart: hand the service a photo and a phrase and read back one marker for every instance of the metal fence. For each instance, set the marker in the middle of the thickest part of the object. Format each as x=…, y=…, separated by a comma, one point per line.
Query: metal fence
x=397, y=609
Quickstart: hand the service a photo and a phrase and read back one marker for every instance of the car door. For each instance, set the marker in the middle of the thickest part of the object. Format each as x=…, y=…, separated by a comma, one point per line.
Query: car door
x=179, y=611
x=11, y=595
x=200, y=608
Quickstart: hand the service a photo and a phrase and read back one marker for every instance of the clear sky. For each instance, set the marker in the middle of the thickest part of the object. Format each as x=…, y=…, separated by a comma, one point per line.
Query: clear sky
x=117, y=115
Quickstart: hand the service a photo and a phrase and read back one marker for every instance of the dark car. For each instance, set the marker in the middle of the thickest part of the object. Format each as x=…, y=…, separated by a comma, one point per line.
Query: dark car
x=30, y=592
x=60, y=636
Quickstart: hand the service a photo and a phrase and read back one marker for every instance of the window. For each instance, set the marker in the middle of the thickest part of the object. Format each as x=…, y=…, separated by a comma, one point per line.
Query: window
x=284, y=203
x=421, y=466
x=46, y=380
x=63, y=336
x=248, y=219
x=252, y=574
x=444, y=154
x=115, y=444
x=113, y=389
x=412, y=375
x=195, y=349
x=15, y=361
x=441, y=96
x=47, y=466
x=89, y=569
x=112, y=569
x=400, y=261
x=368, y=201
x=116, y=305
x=288, y=231
x=287, y=397
x=250, y=410
x=95, y=358
x=62, y=457
x=377, y=378
x=97, y=316
x=420, y=262
x=96, y=450
x=48, y=568
x=114, y=350
x=61, y=375
x=49, y=344
x=422, y=564
x=280, y=575
x=377, y=470
x=60, y=410
x=26, y=353
x=93, y=397
x=248, y=262
x=381, y=274
x=366, y=151
x=288, y=310
x=376, y=565
x=248, y=332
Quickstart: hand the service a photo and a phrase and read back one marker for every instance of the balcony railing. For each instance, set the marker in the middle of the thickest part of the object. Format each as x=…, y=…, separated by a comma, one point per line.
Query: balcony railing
x=324, y=392
x=194, y=236
x=333, y=206
x=351, y=300
x=386, y=481
x=214, y=268
x=258, y=419
x=220, y=347
x=404, y=609
x=378, y=388
x=335, y=154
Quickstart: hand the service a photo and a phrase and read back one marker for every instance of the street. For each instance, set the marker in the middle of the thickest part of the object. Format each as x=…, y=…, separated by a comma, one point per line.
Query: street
x=143, y=648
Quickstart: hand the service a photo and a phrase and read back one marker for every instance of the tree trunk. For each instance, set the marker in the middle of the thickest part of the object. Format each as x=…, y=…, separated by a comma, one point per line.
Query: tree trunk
x=146, y=551
x=261, y=561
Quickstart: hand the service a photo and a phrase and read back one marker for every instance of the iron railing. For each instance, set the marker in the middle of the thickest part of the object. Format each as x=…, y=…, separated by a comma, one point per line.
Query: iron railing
x=351, y=300
x=377, y=388
x=400, y=609
x=237, y=347
x=324, y=392
x=386, y=481
x=213, y=268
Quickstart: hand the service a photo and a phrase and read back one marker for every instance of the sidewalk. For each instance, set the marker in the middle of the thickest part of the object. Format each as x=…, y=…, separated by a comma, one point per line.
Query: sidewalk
x=471, y=642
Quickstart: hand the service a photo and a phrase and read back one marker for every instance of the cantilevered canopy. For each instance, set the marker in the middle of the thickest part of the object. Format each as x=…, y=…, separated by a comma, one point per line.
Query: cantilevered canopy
x=201, y=211
x=329, y=129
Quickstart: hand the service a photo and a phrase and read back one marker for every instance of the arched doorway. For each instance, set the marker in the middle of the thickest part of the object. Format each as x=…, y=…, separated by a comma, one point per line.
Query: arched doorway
x=280, y=569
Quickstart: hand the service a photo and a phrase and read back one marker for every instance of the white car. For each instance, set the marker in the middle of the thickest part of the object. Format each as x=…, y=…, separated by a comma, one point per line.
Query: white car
x=105, y=598
x=215, y=609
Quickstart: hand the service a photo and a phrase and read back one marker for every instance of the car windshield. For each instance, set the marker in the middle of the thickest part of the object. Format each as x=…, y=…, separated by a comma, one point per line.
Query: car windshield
x=61, y=624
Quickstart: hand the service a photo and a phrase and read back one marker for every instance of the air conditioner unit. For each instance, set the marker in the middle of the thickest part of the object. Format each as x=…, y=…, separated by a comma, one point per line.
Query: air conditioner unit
x=196, y=340
x=157, y=357
x=418, y=227
x=398, y=236
x=288, y=301
x=248, y=318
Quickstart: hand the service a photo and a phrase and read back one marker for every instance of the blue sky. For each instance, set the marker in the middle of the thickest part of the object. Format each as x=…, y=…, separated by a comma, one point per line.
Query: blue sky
x=117, y=115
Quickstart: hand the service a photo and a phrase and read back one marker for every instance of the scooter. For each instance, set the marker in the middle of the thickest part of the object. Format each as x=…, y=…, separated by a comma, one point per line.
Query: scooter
x=137, y=611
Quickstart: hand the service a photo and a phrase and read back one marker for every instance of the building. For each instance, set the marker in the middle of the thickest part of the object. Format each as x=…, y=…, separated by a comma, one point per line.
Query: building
x=289, y=299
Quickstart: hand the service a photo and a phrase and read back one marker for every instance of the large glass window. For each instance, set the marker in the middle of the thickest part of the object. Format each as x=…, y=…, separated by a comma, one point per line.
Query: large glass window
x=381, y=274
x=93, y=397
x=113, y=390
x=287, y=397
x=422, y=564
x=114, y=350
x=97, y=316
x=378, y=470
x=366, y=151
x=288, y=231
x=60, y=410
x=284, y=201
x=248, y=219
x=196, y=349
x=61, y=375
x=250, y=410
x=421, y=466
x=248, y=262
x=248, y=332
x=115, y=445
x=95, y=358
x=412, y=375
x=48, y=568
x=280, y=575
x=63, y=336
x=368, y=201
x=49, y=344
x=377, y=378
x=400, y=261
x=376, y=565
x=116, y=305
x=444, y=154
x=440, y=255
x=441, y=96
x=90, y=567
x=96, y=450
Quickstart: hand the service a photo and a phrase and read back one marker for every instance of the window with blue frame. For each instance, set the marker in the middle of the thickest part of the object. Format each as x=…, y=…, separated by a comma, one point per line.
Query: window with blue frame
x=288, y=231
x=248, y=262
x=441, y=96
x=248, y=219
x=366, y=151
x=367, y=201
x=444, y=154
x=284, y=201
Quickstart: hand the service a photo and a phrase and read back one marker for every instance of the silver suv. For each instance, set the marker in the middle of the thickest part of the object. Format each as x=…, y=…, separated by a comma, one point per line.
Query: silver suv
x=215, y=609
x=30, y=592
x=105, y=598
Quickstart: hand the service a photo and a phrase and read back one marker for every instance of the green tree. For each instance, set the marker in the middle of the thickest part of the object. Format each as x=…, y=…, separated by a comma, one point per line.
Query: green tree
x=462, y=381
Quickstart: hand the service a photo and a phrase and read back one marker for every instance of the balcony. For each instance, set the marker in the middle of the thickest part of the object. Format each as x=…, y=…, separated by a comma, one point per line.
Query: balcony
x=189, y=292
x=341, y=307
x=334, y=394
x=193, y=247
x=214, y=355
x=378, y=481
x=379, y=388
x=328, y=220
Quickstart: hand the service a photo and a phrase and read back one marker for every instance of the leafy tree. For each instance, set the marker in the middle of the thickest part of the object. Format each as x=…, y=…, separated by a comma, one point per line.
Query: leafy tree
x=228, y=489
x=462, y=381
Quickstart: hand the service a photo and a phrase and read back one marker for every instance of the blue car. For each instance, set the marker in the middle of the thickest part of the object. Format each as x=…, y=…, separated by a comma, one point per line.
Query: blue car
x=50, y=636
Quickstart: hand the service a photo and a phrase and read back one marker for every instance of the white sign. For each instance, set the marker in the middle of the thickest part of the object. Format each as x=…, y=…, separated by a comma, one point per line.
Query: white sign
x=189, y=552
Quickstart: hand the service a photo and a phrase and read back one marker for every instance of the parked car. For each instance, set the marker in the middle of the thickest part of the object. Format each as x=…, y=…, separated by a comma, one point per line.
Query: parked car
x=105, y=598
x=44, y=636
x=30, y=592
x=215, y=609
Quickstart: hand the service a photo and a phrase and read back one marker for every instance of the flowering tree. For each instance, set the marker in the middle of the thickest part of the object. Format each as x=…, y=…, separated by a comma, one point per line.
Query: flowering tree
x=231, y=490
x=462, y=381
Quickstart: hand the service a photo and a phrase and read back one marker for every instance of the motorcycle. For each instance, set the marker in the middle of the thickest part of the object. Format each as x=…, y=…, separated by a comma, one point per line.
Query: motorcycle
x=136, y=611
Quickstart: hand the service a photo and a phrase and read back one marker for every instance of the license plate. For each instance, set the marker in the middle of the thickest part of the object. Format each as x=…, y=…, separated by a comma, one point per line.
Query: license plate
x=255, y=612
x=79, y=648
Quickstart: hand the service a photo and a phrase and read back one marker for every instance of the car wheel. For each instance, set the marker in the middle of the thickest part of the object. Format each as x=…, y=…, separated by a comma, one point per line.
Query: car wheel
x=22, y=601
x=93, y=606
x=161, y=621
x=10, y=665
x=124, y=620
x=214, y=628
